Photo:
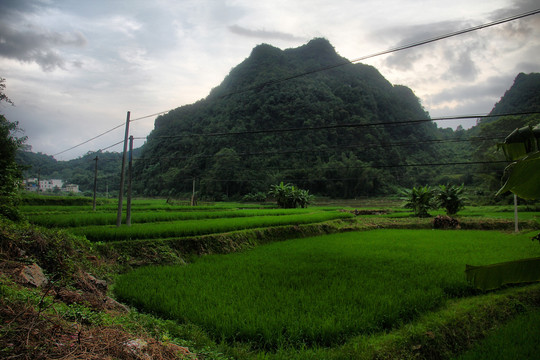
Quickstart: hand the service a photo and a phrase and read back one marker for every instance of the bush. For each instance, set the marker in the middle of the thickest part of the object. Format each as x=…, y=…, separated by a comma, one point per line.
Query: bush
x=420, y=200
x=450, y=197
x=289, y=196
x=254, y=197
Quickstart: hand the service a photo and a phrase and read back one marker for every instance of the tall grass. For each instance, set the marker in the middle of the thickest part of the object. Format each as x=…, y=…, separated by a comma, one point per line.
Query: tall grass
x=74, y=219
x=200, y=227
x=323, y=290
x=516, y=340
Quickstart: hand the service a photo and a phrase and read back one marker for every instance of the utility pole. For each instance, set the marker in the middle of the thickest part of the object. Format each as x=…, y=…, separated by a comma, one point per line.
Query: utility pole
x=193, y=198
x=130, y=175
x=122, y=174
x=95, y=184
x=516, y=227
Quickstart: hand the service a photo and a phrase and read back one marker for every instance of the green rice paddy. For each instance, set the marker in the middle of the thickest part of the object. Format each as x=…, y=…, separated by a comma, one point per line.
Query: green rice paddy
x=323, y=290
x=299, y=295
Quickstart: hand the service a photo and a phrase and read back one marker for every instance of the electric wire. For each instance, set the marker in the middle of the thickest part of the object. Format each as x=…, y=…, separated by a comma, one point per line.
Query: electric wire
x=326, y=149
x=87, y=141
x=347, y=125
x=395, y=49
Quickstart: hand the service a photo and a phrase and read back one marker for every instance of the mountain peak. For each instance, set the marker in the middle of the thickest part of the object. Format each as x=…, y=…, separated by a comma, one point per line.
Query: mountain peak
x=319, y=50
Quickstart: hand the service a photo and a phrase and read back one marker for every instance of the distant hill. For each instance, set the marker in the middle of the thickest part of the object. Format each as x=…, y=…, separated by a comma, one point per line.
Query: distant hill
x=78, y=171
x=235, y=141
x=523, y=96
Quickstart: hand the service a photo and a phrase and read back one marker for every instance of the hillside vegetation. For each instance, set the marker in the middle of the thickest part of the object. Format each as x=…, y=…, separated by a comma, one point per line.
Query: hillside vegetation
x=309, y=117
x=330, y=146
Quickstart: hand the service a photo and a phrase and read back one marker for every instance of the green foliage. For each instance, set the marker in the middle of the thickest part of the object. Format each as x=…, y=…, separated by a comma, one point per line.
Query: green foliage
x=419, y=199
x=343, y=161
x=78, y=171
x=523, y=96
x=517, y=339
x=175, y=229
x=522, y=147
x=450, y=197
x=255, y=197
x=10, y=172
x=76, y=218
x=306, y=292
x=289, y=196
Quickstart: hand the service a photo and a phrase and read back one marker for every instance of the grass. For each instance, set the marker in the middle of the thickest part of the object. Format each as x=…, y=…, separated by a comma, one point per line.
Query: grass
x=320, y=291
x=517, y=339
x=200, y=227
x=76, y=219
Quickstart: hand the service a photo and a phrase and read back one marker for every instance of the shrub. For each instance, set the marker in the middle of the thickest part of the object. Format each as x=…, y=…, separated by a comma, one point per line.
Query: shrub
x=450, y=197
x=289, y=196
x=420, y=200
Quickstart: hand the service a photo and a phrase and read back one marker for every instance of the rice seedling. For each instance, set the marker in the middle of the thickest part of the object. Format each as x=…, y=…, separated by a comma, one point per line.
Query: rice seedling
x=516, y=340
x=320, y=291
x=74, y=219
x=201, y=227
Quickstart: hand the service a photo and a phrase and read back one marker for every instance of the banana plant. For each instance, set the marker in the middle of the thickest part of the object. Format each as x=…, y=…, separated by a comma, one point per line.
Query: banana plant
x=523, y=174
x=523, y=179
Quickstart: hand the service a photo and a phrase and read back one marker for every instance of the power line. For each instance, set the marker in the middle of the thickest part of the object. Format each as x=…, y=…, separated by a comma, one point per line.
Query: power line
x=347, y=125
x=151, y=115
x=395, y=49
x=388, y=51
x=449, y=35
x=394, y=166
x=331, y=148
x=110, y=146
x=87, y=141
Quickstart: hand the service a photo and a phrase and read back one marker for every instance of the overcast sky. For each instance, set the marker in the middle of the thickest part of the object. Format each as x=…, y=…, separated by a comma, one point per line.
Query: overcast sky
x=74, y=68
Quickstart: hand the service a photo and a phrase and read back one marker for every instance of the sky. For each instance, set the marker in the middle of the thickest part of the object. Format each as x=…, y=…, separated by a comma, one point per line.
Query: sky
x=74, y=68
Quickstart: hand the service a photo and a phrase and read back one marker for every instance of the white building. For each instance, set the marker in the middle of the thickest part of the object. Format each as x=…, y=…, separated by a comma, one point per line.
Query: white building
x=50, y=185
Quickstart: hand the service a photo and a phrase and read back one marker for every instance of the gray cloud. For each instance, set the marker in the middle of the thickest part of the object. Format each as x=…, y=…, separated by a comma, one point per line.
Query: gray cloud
x=25, y=42
x=10, y=8
x=262, y=34
x=405, y=59
x=37, y=45
x=462, y=65
x=492, y=88
x=518, y=7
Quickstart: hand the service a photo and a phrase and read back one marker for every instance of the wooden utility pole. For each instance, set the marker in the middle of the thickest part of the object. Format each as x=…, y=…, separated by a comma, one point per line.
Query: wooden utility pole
x=95, y=185
x=193, y=198
x=516, y=226
x=130, y=175
x=122, y=175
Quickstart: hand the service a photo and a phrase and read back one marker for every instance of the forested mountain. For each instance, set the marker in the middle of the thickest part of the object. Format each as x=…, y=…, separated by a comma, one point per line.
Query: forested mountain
x=522, y=97
x=338, y=132
x=309, y=117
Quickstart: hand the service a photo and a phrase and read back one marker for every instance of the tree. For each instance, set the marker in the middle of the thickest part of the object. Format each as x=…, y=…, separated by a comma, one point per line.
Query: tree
x=3, y=96
x=420, y=200
x=10, y=173
x=450, y=197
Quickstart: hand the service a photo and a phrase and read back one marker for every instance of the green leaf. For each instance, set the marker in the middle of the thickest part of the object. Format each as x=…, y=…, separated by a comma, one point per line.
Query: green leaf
x=524, y=179
x=493, y=276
